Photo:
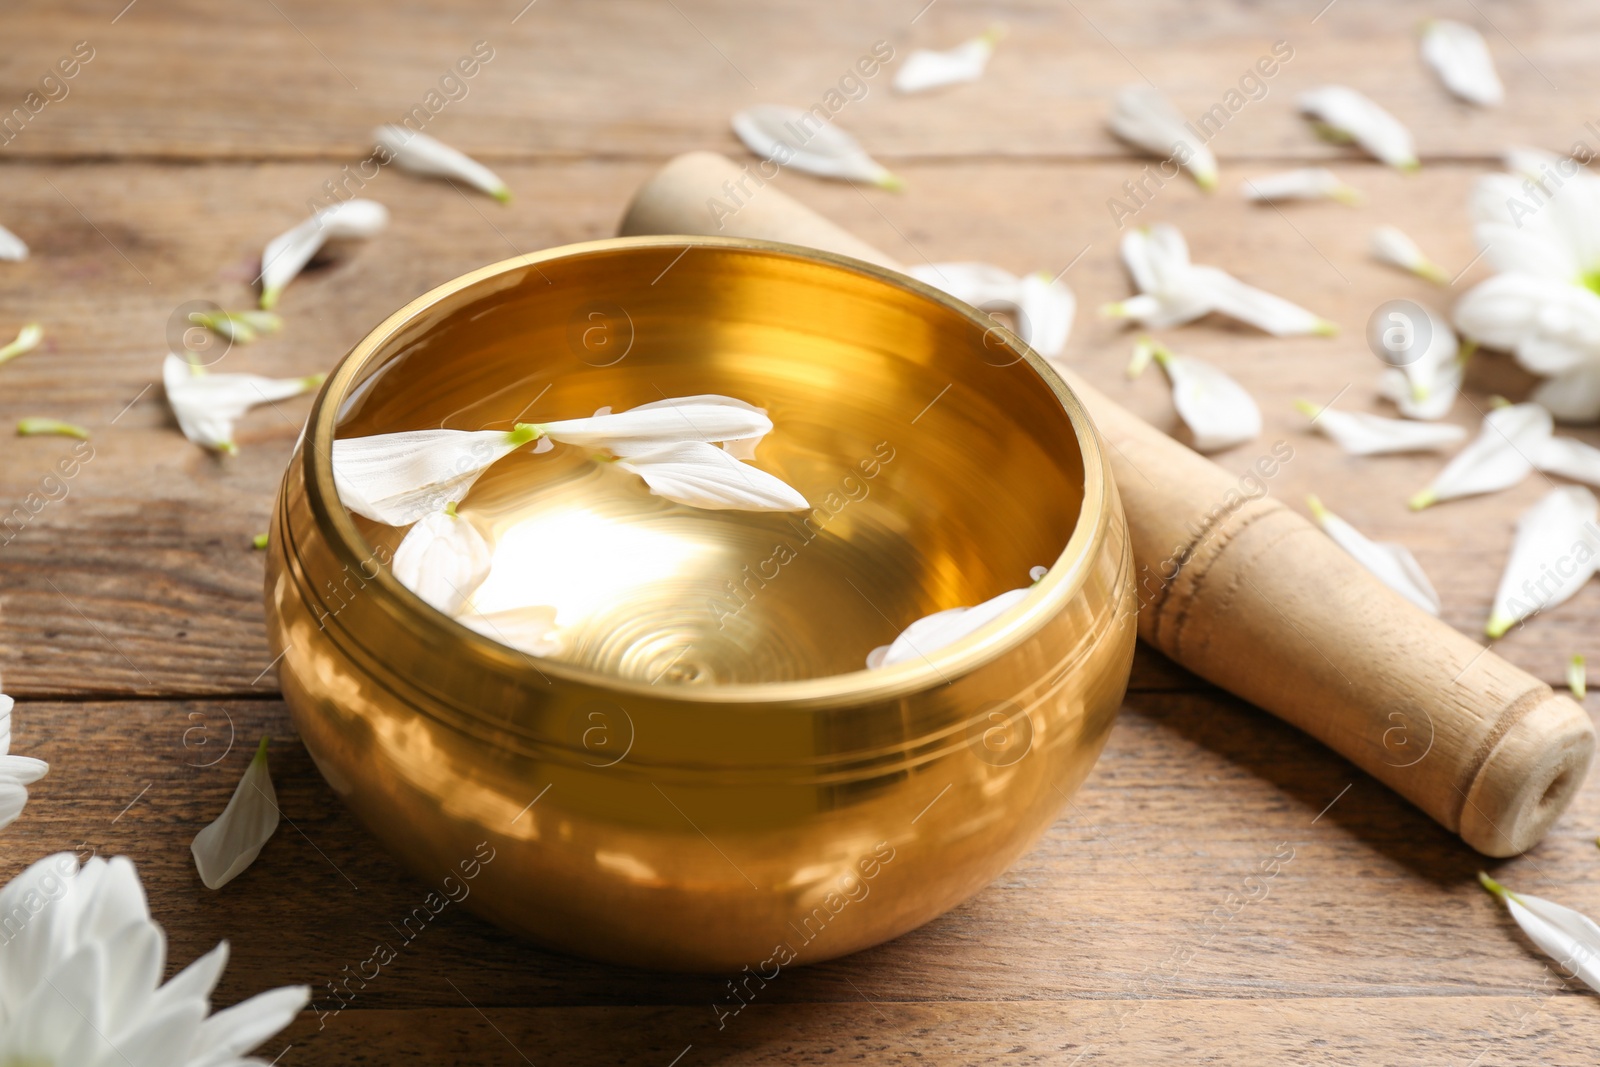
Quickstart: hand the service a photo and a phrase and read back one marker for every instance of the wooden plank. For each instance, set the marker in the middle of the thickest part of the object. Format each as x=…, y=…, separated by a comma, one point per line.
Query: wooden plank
x=1555, y=1030
x=140, y=579
x=297, y=79
x=1149, y=888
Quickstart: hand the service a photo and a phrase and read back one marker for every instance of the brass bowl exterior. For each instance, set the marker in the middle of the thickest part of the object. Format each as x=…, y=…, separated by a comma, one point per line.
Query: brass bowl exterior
x=711, y=827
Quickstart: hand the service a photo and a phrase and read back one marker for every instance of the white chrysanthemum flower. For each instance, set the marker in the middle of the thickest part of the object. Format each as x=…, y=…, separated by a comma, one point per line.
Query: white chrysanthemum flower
x=443, y=559
x=12, y=248
x=791, y=137
x=1391, y=563
x=1145, y=119
x=288, y=253
x=399, y=478
x=206, y=404
x=924, y=70
x=1042, y=307
x=228, y=846
x=1540, y=228
x=1427, y=386
x=1568, y=937
x=1343, y=114
x=1391, y=245
x=1307, y=183
x=421, y=154
x=1515, y=441
x=1361, y=434
x=1459, y=55
x=1174, y=290
x=933, y=632
x=80, y=981
x=1553, y=556
x=16, y=772
x=704, y=476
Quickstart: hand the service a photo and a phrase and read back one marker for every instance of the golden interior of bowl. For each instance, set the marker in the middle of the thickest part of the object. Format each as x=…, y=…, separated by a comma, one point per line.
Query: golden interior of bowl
x=930, y=489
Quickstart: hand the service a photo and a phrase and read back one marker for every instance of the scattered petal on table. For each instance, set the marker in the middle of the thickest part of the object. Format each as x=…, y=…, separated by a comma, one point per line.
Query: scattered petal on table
x=16, y=772
x=1577, y=678
x=1553, y=555
x=1361, y=434
x=1348, y=115
x=1392, y=245
x=1458, y=54
x=421, y=154
x=1217, y=410
x=791, y=137
x=1568, y=937
x=1308, y=183
x=288, y=253
x=12, y=247
x=1043, y=308
x=1499, y=457
x=224, y=849
x=925, y=70
x=1145, y=119
x=26, y=341
x=206, y=404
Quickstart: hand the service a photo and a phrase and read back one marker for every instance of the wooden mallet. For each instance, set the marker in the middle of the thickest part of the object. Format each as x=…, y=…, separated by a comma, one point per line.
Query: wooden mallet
x=1253, y=597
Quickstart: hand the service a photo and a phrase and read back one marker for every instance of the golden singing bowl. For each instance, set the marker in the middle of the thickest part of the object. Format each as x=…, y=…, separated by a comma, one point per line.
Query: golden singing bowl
x=706, y=777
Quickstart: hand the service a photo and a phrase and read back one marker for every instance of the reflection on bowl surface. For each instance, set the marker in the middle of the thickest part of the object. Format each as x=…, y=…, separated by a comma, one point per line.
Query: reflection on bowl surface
x=706, y=758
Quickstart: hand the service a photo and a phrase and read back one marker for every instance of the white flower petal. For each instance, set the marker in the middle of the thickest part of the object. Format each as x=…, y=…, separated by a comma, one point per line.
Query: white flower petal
x=1272, y=314
x=399, y=478
x=941, y=629
x=531, y=629
x=1391, y=563
x=1569, y=458
x=1175, y=291
x=1042, y=308
x=443, y=559
x=705, y=476
x=1553, y=327
x=1458, y=54
x=1361, y=434
x=227, y=846
x=1569, y=937
x=1350, y=113
x=1426, y=388
x=1217, y=410
x=1573, y=396
x=422, y=154
x=12, y=247
x=1498, y=458
x=288, y=253
x=648, y=427
x=16, y=772
x=925, y=70
x=234, y=1031
x=1308, y=183
x=1390, y=244
x=1552, y=557
x=206, y=404
x=1145, y=119
x=791, y=137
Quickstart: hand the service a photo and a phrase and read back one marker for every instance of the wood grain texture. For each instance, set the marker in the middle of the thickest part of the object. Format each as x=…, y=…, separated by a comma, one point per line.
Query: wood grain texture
x=1144, y=910
x=130, y=619
x=296, y=79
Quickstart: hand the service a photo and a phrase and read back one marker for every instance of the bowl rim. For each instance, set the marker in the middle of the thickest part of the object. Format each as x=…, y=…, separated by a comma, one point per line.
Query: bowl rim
x=1063, y=580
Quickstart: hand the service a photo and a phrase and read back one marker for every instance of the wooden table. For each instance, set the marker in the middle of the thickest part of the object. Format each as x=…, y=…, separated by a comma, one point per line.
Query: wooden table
x=132, y=625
